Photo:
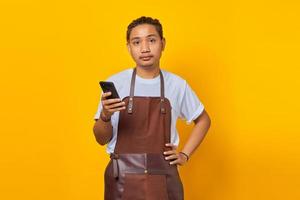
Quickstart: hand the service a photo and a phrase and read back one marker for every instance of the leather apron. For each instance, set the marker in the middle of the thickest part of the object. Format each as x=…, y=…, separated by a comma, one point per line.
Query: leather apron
x=138, y=169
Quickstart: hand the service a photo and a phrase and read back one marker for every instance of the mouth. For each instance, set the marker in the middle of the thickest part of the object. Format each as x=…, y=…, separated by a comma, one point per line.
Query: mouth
x=145, y=58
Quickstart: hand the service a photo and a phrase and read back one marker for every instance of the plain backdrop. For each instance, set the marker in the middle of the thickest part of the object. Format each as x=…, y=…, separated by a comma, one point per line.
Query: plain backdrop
x=240, y=57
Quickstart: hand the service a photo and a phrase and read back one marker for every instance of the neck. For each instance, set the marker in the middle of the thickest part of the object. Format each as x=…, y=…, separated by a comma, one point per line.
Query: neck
x=147, y=72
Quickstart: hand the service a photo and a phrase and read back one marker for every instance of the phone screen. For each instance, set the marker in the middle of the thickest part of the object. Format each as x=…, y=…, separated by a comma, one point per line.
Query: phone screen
x=109, y=87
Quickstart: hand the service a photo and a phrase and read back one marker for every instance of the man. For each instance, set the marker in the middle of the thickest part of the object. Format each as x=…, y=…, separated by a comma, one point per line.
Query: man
x=140, y=128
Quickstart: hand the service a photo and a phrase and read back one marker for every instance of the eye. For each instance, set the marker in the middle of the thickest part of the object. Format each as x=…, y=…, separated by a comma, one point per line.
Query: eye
x=152, y=40
x=136, y=42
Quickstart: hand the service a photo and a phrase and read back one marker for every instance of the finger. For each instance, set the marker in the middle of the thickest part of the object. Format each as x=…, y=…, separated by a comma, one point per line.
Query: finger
x=171, y=157
x=171, y=145
x=106, y=94
x=110, y=101
x=170, y=152
x=115, y=105
x=174, y=162
x=117, y=109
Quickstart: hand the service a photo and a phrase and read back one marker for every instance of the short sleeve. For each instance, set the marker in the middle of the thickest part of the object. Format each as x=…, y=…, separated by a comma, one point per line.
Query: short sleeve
x=191, y=107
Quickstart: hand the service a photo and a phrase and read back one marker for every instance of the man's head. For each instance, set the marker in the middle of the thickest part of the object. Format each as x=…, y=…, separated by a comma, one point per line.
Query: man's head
x=145, y=41
x=145, y=20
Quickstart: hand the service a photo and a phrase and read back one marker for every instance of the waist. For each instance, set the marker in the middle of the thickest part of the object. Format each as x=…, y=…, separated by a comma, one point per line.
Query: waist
x=153, y=163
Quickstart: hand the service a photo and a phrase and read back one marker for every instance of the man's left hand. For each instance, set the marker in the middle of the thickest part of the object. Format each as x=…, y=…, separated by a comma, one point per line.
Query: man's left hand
x=174, y=156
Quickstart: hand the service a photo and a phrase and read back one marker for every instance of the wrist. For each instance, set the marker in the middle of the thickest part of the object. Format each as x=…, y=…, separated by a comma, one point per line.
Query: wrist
x=185, y=155
x=104, y=117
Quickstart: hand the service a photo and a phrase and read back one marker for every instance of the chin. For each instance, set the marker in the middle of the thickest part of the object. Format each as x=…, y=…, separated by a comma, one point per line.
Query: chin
x=146, y=66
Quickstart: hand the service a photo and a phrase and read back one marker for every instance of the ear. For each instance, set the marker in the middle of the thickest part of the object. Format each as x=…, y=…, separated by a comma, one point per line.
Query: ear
x=128, y=47
x=163, y=41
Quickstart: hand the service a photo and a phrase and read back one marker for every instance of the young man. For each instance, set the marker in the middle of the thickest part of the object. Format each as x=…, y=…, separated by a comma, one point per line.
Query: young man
x=140, y=128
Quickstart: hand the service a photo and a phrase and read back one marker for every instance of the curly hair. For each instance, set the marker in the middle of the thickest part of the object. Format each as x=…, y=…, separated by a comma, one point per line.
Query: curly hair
x=145, y=20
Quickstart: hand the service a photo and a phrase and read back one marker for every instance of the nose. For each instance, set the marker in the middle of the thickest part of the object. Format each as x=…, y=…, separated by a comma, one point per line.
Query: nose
x=145, y=47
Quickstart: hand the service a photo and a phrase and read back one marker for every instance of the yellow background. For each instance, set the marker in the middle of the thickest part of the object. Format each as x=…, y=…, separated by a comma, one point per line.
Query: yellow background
x=241, y=58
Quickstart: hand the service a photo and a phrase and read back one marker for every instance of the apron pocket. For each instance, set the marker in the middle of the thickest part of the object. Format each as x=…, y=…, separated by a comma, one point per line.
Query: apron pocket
x=157, y=187
x=145, y=187
x=134, y=186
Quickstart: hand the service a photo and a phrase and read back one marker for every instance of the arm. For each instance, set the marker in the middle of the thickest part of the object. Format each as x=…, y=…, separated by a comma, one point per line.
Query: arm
x=103, y=129
x=202, y=124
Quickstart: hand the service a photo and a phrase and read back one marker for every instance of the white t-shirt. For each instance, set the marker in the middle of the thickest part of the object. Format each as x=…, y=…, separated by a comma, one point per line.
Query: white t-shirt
x=184, y=102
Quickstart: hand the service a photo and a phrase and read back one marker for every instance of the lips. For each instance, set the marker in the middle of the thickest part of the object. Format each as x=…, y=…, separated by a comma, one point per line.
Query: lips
x=146, y=57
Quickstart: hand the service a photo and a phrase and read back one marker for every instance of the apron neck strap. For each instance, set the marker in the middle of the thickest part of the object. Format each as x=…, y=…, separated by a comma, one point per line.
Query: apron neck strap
x=162, y=92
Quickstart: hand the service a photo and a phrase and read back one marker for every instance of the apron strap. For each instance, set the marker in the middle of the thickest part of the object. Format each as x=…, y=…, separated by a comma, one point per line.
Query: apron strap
x=115, y=163
x=162, y=93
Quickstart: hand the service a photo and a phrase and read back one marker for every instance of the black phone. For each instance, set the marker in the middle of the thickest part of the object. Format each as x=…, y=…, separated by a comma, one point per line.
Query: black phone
x=109, y=87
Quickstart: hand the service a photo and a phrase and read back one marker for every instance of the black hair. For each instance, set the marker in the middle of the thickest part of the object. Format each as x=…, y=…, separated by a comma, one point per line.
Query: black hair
x=145, y=20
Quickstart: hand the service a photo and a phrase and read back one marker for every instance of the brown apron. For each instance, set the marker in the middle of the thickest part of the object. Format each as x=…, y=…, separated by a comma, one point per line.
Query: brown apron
x=138, y=169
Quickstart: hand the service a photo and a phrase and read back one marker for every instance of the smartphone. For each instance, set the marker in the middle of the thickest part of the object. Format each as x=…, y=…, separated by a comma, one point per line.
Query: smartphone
x=109, y=87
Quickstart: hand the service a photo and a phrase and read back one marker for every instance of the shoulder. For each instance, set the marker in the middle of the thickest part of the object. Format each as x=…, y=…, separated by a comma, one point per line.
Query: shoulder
x=173, y=79
x=120, y=77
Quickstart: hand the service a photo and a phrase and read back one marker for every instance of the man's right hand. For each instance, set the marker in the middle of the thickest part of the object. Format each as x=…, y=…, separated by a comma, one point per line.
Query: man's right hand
x=111, y=105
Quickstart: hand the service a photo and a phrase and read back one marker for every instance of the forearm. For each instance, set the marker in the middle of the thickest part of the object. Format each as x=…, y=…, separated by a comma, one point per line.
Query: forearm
x=103, y=131
x=202, y=124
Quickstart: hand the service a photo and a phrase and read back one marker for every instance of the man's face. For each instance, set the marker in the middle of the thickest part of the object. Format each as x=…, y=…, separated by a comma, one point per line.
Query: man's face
x=145, y=45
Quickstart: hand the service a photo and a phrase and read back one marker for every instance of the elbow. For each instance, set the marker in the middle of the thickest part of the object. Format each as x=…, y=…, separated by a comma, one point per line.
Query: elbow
x=101, y=142
x=208, y=121
x=97, y=133
x=204, y=119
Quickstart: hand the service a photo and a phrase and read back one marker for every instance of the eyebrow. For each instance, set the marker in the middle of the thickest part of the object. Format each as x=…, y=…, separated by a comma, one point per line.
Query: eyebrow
x=147, y=36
